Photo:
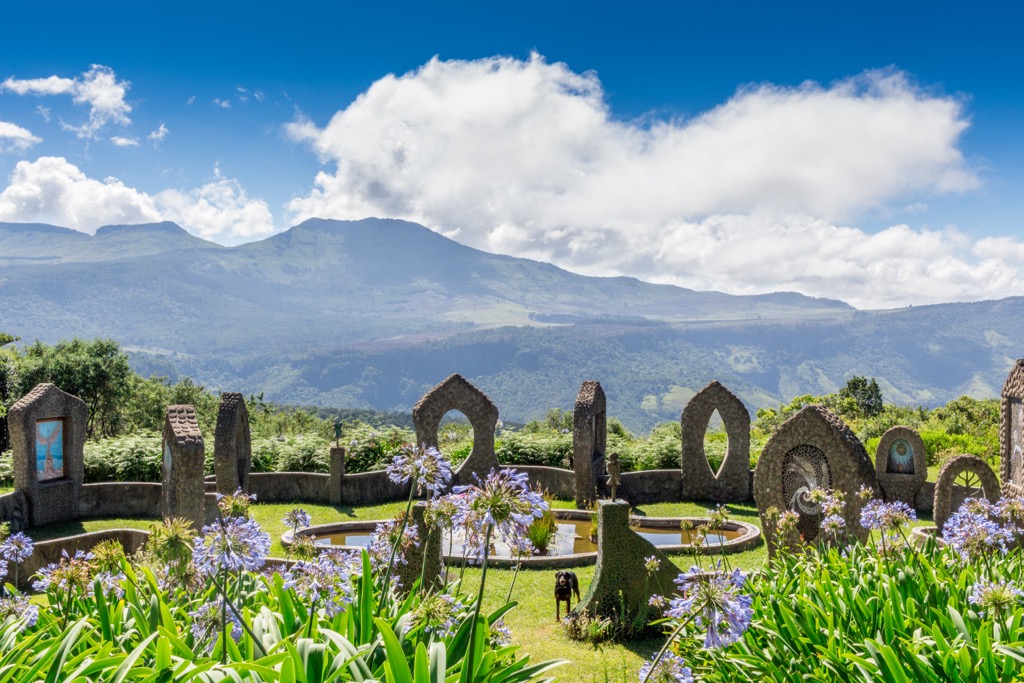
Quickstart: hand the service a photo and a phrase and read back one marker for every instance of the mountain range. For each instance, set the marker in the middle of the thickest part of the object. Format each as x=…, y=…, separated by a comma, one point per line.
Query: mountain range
x=372, y=313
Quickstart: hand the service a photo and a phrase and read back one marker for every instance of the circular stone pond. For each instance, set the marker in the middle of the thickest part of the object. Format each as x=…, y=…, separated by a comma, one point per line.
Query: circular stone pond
x=571, y=545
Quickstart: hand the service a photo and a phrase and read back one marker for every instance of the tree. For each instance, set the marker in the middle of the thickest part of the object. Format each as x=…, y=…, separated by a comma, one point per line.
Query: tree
x=8, y=380
x=866, y=393
x=96, y=371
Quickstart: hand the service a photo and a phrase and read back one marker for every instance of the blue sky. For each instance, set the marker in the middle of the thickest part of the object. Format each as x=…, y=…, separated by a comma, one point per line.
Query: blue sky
x=872, y=152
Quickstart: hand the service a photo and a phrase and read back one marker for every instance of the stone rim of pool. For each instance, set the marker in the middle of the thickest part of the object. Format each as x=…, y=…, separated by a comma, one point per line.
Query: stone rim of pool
x=749, y=537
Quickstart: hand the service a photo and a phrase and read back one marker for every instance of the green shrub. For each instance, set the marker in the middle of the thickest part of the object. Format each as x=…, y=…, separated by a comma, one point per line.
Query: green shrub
x=299, y=453
x=548, y=448
x=6, y=468
x=136, y=457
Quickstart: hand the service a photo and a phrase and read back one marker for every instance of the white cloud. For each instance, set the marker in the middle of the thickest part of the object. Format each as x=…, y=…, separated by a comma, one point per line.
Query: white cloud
x=97, y=88
x=223, y=104
x=14, y=138
x=158, y=135
x=124, y=142
x=52, y=190
x=525, y=158
x=43, y=112
x=191, y=100
x=219, y=210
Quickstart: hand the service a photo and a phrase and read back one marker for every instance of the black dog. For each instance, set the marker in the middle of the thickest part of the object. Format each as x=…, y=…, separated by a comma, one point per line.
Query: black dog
x=566, y=585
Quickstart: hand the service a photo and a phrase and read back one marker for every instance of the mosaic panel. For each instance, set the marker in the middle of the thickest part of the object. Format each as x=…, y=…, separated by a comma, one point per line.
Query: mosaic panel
x=804, y=469
x=901, y=458
x=49, y=450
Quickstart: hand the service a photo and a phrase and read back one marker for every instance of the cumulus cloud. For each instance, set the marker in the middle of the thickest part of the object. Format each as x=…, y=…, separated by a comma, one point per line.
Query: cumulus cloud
x=524, y=157
x=124, y=142
x=223, y=104
x=53, y=190
x=14, y=138
x=97, y=88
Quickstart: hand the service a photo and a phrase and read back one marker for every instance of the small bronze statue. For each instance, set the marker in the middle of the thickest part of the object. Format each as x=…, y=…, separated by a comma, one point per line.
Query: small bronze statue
x=338, y=424
x=614, y=470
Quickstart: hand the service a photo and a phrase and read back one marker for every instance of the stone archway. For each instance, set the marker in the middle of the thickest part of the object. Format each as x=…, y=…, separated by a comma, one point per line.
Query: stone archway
x=589, y=440
x=814, y=448
x=901, y=464
x=944, y=485
x=455, y=393
x=1011, y=432
x=732, y=481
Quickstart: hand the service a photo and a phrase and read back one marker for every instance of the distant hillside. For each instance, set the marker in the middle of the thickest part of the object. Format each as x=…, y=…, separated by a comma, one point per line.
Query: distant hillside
x=372, y=313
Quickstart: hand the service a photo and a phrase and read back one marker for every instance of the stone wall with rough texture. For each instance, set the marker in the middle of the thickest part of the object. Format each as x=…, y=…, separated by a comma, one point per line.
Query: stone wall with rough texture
x=731, y=484
x=455, y=393
x=589, y=441
x=900, y=474
x=812, y=449
x=285, y=487
x=53, y=500
x=232, y=449
x=184, y=466
x=1011, y=432
x=14, y=510
x=556, y=481
x=651, y=486
x=121, y=499
x=619, y=576
x=944, y=485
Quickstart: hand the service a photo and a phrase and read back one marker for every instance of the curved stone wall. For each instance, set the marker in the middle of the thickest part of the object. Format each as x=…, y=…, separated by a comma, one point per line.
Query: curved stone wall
x=944, y=486
x=901, y=464
x=455, y=393
x=731, y=483
x=1011, y=432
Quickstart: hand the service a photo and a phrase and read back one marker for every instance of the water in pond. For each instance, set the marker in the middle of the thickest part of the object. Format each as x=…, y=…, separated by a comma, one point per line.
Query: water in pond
x=571, y=538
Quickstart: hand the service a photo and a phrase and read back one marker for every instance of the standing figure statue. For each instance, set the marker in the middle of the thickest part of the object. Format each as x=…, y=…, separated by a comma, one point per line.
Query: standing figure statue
x=614, y=470
x=338, y=424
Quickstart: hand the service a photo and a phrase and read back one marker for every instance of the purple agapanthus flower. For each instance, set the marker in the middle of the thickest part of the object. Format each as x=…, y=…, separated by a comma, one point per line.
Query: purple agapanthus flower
x=16, y=548
x=234, y=544
x=208, y=621
x=19, y=606
x=881, y=516
x=324, y=582
x=297, y=519
x=111, y=583
x=502, y=502
x=383, y=539
x=501, y=635
x=423, y=465
x=671, y=668
x=714, y=602
x=995, y=595
x=973, y=534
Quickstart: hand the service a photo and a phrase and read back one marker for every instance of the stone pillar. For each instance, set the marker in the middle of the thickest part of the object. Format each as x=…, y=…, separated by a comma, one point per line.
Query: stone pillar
x=232, y=444
x=337, y=470
x=621, y=554
x=731, y=483
x=47, y=428
x=589, y=439
x=455, y=393
x=183, y=466
x=430, y=543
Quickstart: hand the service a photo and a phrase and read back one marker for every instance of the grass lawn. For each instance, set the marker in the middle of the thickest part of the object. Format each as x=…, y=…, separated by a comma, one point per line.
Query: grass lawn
x=533, y=621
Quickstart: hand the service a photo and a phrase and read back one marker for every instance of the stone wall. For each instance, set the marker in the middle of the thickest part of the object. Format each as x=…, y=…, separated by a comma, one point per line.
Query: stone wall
x=14, y=510
x=731, y=483
x=284, y=487
x=651, y=486
x=121, y=499
x=943, y=506
x=47, y=552
x=556, y=481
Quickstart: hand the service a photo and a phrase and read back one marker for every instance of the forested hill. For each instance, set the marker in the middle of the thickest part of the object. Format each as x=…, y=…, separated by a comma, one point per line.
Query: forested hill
x=372, y=313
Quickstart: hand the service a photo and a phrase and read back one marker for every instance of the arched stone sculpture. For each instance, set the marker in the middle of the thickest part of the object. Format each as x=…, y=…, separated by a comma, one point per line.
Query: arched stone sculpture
x=47, y=428
x=812, y=449
x=731, y=483
x=455, y=393
x=954, y=467
x=1011, y=432
x=232, y=450
x=589, y=439
x=901, y=464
